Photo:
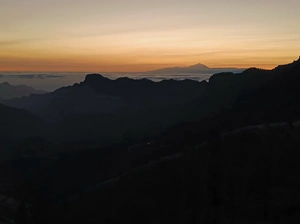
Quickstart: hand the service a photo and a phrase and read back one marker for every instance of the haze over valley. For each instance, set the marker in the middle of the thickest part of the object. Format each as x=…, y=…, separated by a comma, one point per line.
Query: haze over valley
x=50, y=81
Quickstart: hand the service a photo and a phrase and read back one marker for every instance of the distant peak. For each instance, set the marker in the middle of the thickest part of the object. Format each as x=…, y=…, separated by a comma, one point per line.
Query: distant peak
x=199, y=66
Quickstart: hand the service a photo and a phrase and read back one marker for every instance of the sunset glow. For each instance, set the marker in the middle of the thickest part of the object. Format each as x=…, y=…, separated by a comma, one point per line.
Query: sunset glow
x=138, y=35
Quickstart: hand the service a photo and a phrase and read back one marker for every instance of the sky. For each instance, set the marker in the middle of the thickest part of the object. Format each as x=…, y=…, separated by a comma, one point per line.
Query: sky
x=142, y=35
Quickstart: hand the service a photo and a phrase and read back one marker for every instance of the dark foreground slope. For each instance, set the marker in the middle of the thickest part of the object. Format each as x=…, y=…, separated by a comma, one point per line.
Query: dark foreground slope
x=246, y=176
x=250, y=175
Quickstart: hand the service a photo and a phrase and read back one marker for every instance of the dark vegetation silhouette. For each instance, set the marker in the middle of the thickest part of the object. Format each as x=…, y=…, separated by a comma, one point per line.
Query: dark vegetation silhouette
x=126, y=151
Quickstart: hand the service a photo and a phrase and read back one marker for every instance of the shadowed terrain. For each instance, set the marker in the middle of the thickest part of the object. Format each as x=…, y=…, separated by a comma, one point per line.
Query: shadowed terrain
x=125, y=151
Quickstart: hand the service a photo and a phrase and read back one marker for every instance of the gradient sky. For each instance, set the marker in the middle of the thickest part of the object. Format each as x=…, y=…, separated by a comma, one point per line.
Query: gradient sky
x=140, y=35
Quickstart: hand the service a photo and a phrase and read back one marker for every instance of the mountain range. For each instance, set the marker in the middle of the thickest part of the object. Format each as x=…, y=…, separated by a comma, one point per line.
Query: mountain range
x=126, y=151
x=99, y=109
x=197, y=68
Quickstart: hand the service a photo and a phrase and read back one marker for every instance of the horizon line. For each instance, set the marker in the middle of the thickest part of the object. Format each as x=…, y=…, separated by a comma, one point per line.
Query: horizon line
x=153, y=70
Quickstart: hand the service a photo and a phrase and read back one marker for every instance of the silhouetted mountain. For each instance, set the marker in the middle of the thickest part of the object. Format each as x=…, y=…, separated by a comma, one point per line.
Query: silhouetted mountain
x=237, y=100
x=229, y=152
x=100, y=109
x=114, y=107
x=198, y=68
x=123, y=90
x=8, y=91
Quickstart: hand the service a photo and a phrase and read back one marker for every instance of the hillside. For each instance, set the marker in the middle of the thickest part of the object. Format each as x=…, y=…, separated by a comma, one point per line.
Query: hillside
x=249, y=175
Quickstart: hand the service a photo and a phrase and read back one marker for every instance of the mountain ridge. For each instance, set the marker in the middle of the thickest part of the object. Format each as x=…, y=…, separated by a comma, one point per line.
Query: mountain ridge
x=98, y=105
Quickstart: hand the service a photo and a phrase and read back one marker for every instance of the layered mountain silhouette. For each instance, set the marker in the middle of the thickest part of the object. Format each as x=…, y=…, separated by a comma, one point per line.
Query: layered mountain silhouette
x=198, y=68
x=8, y=91
x=99, y=108
x=126, y=151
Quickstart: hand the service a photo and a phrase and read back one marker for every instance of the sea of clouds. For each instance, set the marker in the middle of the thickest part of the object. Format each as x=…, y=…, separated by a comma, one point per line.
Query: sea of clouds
x=52, y=81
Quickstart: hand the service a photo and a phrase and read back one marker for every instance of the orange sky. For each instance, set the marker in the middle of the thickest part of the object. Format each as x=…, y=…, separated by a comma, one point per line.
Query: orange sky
x=139, y=35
